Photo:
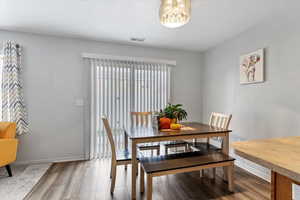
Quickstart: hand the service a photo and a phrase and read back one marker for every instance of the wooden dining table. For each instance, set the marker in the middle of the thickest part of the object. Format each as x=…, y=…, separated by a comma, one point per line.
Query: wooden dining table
x=281, y=156
x=189, y=131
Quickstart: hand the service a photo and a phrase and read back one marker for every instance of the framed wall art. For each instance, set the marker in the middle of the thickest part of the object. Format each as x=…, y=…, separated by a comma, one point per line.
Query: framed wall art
x=252, y=67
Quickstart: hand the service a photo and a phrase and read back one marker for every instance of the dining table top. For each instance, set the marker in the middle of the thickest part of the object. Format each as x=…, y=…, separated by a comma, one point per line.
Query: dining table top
x=278, y=154
x=188, y=128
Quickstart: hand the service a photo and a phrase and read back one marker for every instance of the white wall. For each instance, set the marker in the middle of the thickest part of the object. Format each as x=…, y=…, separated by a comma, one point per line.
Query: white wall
x=54, y=78
x=270, y=109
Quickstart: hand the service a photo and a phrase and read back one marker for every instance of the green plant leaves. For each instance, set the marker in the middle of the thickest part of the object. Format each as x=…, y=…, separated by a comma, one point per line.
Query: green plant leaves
x=174, y=111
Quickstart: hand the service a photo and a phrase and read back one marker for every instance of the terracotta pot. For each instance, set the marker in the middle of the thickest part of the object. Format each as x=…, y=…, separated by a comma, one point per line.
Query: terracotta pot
x=174, y=121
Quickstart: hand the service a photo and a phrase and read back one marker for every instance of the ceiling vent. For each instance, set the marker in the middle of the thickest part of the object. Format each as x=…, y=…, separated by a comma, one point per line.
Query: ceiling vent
x=134, y=39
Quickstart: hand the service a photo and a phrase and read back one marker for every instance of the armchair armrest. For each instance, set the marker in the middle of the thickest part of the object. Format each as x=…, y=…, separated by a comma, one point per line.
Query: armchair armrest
x=8, y=151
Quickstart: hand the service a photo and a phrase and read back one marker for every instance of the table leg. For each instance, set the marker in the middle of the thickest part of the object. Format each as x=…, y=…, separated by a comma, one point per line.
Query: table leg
x=225, y=150
x=230, y=170
x=281, y=187
x=149, y=186
x=142, y=179
x=133, y=169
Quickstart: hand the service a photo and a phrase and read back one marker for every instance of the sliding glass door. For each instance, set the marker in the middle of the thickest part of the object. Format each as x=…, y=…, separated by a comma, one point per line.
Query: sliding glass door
x=121, y=87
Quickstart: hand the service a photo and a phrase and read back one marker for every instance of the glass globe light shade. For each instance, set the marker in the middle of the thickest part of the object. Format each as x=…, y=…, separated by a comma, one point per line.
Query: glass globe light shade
x=175, y=13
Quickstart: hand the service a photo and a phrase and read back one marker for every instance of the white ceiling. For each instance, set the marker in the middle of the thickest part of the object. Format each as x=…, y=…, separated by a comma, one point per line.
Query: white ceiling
x=213, y=21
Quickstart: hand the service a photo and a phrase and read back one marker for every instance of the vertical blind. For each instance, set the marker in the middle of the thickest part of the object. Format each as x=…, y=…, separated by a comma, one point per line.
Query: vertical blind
x=121, y=87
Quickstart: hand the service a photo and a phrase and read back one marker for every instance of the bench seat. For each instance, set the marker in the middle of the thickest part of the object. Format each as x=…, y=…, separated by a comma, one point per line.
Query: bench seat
x=181, y=163
x=182, y=160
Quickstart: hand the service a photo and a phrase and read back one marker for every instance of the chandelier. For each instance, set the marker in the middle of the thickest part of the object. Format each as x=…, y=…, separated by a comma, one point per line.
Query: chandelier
x=175, y=13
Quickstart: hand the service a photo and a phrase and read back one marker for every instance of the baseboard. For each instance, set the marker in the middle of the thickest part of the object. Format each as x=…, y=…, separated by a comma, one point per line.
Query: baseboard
x=247, y=165
x=253, y=168
x=52, y=160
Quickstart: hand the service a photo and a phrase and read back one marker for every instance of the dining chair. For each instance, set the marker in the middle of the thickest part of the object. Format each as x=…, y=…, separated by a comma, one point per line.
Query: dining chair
x=117, y=158
x=218, y=120
x=143, y=119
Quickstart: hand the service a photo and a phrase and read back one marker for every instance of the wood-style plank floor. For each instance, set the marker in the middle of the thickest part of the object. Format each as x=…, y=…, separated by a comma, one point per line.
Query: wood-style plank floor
x=90, y=181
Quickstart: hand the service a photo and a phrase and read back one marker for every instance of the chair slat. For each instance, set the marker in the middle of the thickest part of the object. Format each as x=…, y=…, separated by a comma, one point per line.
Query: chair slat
x=219, y=120
x=141, y=118
x=110, y=137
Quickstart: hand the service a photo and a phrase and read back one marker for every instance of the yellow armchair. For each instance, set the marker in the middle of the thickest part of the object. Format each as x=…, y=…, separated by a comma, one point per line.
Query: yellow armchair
x=8, y=144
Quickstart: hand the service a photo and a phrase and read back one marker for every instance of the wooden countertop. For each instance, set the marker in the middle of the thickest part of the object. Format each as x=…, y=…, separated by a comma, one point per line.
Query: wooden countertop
x=281, y=155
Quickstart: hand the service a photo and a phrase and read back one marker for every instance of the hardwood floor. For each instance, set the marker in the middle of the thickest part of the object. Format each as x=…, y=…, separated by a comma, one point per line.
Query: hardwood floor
x=90, y=181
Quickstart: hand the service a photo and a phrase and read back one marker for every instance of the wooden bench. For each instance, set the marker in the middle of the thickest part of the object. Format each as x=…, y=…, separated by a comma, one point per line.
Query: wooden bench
x=181, y=163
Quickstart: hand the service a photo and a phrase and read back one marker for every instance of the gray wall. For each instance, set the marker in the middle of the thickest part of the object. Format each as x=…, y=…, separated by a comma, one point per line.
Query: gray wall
x=54, y=78
x=270, y=109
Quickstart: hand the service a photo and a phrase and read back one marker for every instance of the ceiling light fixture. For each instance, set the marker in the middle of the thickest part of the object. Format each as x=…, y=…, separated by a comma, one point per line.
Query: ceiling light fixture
x=175, y=13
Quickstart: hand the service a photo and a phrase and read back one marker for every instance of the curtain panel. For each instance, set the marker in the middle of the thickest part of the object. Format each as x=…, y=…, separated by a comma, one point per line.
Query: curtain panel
x=13, y=106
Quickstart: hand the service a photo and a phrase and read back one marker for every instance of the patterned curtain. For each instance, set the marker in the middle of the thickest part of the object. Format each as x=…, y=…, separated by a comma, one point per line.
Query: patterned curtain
x=13, y=107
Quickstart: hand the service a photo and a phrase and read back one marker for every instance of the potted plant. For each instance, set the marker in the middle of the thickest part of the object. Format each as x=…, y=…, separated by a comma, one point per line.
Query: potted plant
x=171, y=115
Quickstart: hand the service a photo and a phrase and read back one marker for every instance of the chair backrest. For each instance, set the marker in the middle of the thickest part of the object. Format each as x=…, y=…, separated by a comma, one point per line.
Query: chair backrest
x=110, y=137
x=140, y=118
x=220, y=120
